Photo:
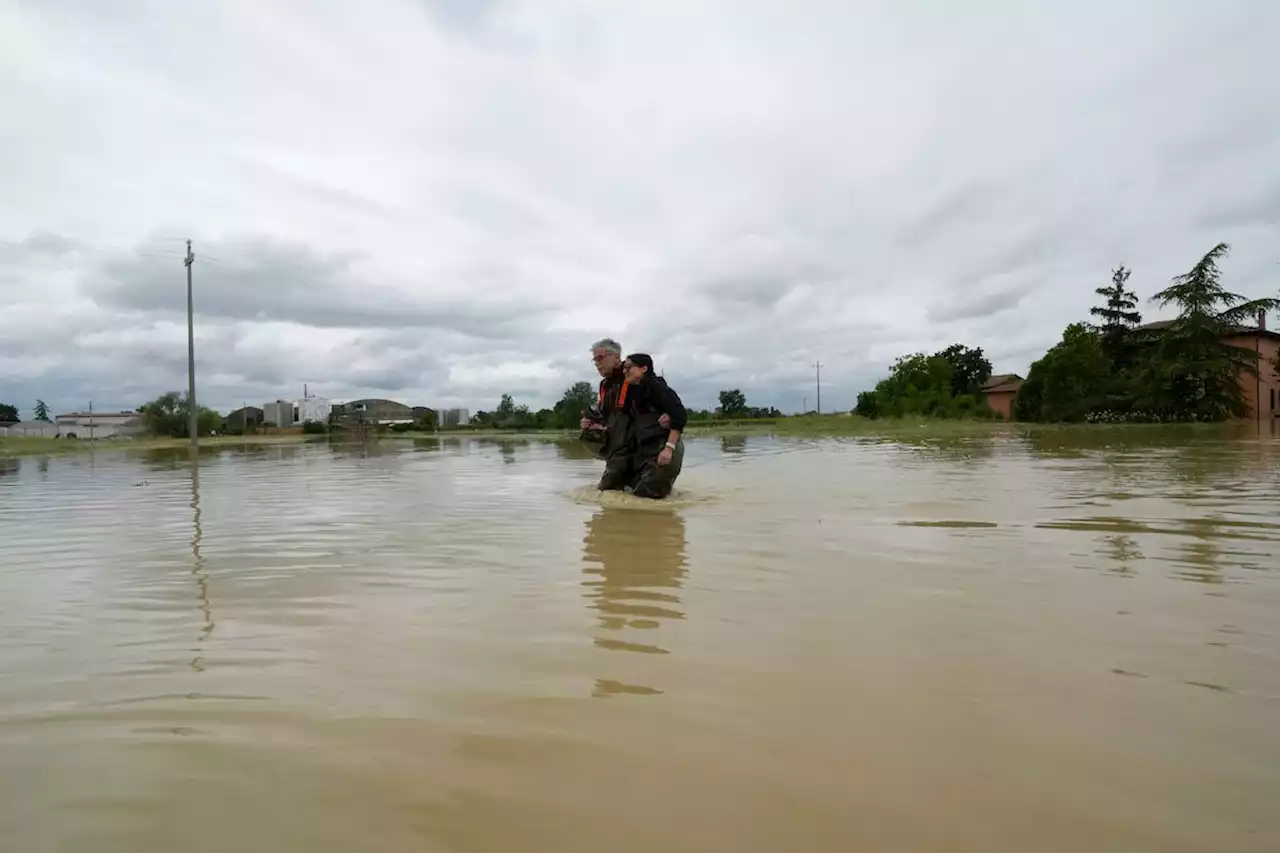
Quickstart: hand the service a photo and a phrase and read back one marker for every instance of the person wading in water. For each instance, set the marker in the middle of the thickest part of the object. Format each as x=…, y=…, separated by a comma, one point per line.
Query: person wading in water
x=608, y=429
x=658, y=418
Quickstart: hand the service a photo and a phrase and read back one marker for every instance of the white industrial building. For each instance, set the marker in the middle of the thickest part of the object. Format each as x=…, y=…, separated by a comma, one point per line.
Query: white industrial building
x=454, y=417
x=289, y=413
x=89, y=425
x=313, y=409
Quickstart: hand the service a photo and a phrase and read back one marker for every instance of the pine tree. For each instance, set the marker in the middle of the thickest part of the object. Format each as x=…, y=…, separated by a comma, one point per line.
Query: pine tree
x=1120, y=316
x=1198, y=374
x=41, y=411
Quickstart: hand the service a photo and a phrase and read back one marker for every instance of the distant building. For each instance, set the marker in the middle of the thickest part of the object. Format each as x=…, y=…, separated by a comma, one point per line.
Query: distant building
x=280, y=413
x=1000, y=391
x=243, y=420
x=29, y=429
x=90, y=425
x=1261, y=392
x=312, y=409
x=454, y=417
x=290, y=413
x=380, y=411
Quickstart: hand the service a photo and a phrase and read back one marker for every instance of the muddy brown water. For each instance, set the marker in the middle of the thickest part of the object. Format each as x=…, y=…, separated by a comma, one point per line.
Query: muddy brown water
x=1059, y=643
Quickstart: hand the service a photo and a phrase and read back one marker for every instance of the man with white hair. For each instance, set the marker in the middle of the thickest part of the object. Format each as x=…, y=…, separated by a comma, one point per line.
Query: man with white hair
x=609, y=427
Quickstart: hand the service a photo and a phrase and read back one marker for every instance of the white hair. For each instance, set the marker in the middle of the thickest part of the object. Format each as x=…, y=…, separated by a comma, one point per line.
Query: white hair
x=607, y=344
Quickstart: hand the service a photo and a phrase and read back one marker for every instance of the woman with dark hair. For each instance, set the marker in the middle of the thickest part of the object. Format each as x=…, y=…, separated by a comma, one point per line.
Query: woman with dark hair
x=658, y=452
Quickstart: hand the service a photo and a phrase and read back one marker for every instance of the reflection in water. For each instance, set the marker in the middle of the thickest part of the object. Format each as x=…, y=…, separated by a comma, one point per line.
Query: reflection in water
x=733, y=443
x=1201, y=561
x=940, y=447
x=8, y=467
x=197, y=565
x=635, y=565
x=574, y=449
x=1121, y=549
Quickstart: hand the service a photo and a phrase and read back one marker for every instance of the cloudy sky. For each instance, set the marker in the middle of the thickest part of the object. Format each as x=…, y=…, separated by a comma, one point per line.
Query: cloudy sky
x=440, y=201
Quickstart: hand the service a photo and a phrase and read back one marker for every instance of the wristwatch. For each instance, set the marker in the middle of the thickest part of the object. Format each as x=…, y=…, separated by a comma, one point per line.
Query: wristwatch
x=670, y=446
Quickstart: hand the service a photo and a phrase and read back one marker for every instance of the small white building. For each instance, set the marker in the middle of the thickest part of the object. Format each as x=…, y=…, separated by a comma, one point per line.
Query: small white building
x=289, y=413
x=90, y=425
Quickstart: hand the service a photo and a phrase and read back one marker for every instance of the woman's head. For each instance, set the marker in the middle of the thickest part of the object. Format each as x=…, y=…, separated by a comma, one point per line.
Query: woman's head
x=636, y=367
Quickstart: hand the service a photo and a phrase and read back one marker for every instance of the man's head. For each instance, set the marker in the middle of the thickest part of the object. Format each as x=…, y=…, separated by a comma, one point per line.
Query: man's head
x=607, y=355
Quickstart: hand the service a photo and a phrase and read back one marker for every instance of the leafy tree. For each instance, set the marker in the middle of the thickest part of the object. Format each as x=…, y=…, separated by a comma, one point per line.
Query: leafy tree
x=733, y=404
x=577, y=397
x=1119, y=316
x=429, y=421
x=917, y=384
x=1068, y=382
x=868, y=405
x=508, y=416
x=166, y=415
x=920, y=384
x=969, y=369
x=1195, y=374
x=42, y=411
x=8, y=412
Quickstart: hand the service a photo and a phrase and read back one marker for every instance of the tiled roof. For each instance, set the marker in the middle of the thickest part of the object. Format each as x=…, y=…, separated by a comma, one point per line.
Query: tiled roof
x=1002, y=382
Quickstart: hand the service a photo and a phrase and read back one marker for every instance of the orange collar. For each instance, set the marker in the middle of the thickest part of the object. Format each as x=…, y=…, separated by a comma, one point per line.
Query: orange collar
x=622, y=395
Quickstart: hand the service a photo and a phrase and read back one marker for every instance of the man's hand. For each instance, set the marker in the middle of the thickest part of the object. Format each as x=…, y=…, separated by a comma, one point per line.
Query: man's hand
x=587, y=423
x=664, y=457
x=665, y=421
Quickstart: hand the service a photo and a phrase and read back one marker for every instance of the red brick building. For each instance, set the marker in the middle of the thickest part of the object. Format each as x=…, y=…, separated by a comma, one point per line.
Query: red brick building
x=1000, y=391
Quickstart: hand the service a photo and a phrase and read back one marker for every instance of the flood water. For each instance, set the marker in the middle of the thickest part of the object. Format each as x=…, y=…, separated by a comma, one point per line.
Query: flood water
x=1068, y=642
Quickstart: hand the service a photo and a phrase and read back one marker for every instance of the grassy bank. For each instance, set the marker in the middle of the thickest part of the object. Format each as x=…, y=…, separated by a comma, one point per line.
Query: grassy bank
x=10, y=446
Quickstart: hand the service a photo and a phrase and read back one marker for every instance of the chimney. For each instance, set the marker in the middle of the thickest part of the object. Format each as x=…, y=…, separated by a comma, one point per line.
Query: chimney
x=1262, y=321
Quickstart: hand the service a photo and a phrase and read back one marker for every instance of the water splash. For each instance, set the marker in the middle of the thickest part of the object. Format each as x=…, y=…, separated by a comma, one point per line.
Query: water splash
x=678, y=499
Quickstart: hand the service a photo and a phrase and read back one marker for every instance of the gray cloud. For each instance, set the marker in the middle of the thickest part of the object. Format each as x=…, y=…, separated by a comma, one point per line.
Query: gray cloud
x=442, y=201
x=266, y=280
x=980, y=302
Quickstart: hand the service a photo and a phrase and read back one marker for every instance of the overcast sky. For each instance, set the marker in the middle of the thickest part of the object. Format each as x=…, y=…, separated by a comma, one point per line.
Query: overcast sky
x=439, y=202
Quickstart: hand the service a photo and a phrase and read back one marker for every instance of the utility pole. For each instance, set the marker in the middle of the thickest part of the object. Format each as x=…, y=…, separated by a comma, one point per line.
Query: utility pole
x=817, y=366
x=192, y=414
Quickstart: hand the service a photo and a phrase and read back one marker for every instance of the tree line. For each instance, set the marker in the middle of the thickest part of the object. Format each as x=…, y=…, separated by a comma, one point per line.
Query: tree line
x=9, y=413
x=582, y=396
x=1110, y=369
x=1116, y=369
x=947, y=384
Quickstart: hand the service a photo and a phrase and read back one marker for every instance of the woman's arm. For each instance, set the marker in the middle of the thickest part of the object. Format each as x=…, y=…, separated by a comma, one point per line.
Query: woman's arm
x=669, y=402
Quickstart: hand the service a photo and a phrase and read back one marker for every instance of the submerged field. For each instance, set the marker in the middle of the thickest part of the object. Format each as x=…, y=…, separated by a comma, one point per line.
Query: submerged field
x=959, y=637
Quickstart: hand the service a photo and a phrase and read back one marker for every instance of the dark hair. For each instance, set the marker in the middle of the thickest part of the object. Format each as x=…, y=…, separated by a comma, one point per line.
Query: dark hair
x=640, y=359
